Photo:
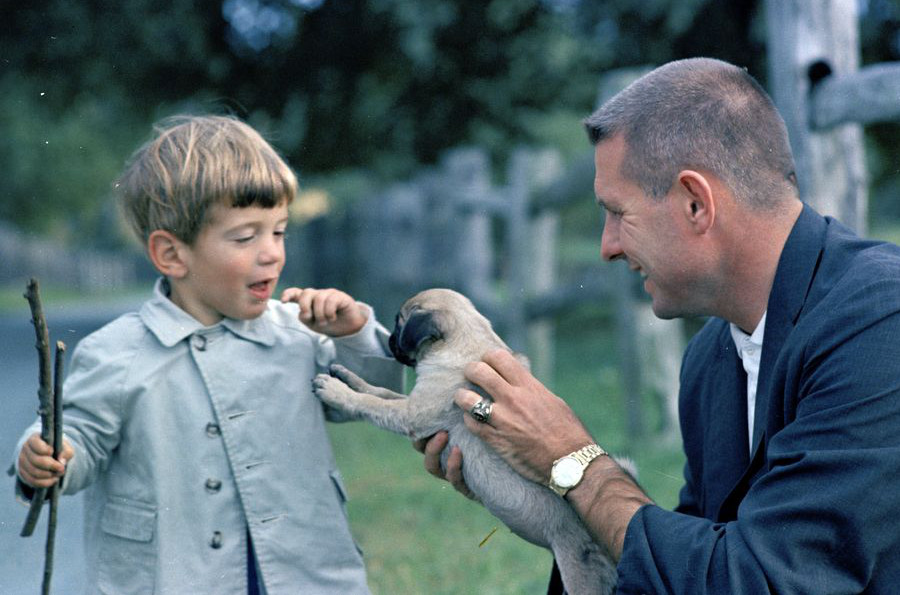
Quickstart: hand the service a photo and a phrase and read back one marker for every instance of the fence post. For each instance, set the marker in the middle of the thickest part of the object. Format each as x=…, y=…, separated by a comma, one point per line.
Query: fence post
x=808, y=41
x=468, y=189
x=532, y=253
x=517, y=248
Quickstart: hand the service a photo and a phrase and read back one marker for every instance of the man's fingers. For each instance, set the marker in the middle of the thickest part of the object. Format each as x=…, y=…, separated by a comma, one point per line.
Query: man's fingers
x=455, y=475
x=465, y=399
x=507, y=366
x=433, y=449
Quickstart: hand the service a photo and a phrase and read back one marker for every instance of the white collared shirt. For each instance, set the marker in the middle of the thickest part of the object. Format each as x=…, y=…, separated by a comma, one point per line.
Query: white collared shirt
x=749, y=349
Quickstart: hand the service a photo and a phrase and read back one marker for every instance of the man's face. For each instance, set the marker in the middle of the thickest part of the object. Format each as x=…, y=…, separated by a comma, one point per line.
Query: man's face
x=234, y=264
x=648, y=233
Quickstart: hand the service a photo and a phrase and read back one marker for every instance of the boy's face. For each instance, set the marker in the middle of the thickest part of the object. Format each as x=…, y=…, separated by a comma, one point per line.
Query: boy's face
x=233, y=266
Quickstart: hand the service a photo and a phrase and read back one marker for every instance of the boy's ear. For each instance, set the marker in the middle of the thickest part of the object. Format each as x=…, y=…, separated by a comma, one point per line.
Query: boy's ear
x=166, y=254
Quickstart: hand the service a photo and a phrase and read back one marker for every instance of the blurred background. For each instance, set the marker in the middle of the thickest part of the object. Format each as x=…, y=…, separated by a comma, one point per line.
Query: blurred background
x=437, y=142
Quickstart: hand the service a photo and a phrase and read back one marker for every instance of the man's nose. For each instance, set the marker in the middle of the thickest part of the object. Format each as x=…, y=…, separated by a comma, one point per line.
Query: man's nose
x=610, y=248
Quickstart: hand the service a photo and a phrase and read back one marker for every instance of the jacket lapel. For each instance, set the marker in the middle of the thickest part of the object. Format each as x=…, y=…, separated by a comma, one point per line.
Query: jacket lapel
x=727, y=452
x=793, y=279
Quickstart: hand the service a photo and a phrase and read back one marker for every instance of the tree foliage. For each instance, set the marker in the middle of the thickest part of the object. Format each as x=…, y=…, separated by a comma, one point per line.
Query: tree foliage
x=380, y=86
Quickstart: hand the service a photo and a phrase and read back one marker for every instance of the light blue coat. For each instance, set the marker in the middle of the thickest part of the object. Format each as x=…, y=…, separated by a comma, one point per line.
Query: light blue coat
x=186, y=435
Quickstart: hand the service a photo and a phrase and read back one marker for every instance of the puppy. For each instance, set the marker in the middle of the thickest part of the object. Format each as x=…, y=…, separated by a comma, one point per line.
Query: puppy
x=438, y=332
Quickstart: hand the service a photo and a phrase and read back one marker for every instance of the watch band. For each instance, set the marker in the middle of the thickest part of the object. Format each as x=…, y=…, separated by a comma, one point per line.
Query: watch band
x=582, y=456
x=587, y=454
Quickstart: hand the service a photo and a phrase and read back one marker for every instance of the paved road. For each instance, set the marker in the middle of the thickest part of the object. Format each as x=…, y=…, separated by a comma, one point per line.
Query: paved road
x=22, y=559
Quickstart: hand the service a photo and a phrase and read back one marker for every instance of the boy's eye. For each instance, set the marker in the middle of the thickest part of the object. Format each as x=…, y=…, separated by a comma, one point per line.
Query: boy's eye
x=244, y=239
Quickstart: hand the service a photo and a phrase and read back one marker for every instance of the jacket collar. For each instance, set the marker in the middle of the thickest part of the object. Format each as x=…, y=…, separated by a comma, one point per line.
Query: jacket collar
x=793, y=279
x=170, y=324
x=794, y=276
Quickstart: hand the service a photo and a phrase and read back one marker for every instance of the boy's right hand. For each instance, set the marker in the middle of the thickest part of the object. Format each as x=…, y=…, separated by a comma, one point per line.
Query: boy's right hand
x=37, y=467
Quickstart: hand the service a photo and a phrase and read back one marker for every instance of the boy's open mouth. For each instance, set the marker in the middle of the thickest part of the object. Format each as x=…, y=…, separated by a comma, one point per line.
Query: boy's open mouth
x=261, y=290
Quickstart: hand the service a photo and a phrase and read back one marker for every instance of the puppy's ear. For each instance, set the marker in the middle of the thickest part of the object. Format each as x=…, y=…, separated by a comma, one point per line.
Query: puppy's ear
x=419, y=327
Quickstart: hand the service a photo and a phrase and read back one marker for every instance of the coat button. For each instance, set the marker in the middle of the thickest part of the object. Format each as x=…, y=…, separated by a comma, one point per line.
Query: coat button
x=199, y=342
x=213, y=485
x=216, y=541
x=213, y=430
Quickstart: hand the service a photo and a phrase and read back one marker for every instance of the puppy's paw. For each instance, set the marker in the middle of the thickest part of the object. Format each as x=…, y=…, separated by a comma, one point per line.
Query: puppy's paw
x=350, y=379
x=333, y=391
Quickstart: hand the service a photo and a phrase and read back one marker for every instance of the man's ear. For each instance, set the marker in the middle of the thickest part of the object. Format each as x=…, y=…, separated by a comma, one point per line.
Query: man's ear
x=698, y=201
x=167, y=254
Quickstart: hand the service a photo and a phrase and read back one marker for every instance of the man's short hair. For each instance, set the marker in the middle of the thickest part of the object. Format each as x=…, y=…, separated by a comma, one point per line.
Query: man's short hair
x=193, y=163
x=701, y=114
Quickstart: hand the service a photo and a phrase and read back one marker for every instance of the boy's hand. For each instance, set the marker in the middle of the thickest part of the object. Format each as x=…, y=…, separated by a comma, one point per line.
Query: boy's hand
x=37, y=467
x=328, y=311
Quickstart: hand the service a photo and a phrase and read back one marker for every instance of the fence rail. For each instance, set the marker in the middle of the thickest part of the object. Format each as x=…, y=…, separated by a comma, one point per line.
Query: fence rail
x=23, y=256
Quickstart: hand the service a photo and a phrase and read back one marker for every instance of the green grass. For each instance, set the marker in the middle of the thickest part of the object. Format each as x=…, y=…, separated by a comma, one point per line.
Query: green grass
x=420, y=536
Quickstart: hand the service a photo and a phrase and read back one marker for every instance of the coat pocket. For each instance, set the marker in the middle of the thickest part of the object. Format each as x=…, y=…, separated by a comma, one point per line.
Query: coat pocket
x=128, y=549
x=338, y=481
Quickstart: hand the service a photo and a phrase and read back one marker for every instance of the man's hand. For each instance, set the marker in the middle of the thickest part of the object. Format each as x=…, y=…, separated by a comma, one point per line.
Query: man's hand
x=432, y=448
x=328, y=311
x=530, y=427
x=36, y=465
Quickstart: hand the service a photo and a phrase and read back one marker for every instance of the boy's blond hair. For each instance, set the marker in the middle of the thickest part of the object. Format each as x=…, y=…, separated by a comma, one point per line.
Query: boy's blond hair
x=193, y=163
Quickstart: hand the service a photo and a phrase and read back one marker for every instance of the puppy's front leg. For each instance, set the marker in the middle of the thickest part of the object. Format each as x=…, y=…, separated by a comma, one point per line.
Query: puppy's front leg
x=391, y=414
x=361, y=386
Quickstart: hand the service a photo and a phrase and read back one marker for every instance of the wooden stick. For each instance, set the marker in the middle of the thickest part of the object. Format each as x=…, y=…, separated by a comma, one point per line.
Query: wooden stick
x=57, y=448
x=45, y=393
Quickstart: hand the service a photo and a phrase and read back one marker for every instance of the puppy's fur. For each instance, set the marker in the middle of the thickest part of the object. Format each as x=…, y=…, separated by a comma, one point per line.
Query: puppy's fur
x=439, y=331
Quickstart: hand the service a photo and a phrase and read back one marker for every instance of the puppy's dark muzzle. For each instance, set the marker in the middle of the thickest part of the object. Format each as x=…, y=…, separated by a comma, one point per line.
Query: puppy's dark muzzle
x=400, y=355
x=411, y=333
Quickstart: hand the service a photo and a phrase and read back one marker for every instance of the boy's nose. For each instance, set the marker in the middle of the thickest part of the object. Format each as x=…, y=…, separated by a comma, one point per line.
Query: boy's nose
x=272, y=251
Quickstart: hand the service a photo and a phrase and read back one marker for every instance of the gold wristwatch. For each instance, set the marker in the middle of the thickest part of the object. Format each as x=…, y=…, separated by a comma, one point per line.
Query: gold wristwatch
x=567, y=471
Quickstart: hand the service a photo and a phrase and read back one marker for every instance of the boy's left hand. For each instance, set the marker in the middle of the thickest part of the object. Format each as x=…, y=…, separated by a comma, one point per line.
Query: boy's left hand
x=328, y=311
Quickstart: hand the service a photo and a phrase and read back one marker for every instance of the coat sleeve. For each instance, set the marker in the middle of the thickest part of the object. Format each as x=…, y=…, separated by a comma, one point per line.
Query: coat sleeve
x=822, y=516
x=91, y=409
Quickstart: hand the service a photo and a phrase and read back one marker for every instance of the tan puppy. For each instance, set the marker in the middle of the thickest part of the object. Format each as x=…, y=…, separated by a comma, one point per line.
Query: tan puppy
x=439, y=331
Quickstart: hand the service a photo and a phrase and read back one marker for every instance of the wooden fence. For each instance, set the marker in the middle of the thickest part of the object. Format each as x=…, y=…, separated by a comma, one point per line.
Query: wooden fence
x=23, y=256
x=825, y=97
x=498, y=243
x=451, y=226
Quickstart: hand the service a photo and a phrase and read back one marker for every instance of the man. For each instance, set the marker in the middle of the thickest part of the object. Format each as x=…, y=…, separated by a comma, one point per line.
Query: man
x=790, y=394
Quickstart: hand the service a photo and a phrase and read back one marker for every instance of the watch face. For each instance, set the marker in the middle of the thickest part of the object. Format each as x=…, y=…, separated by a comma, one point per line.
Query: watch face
x=567, y=472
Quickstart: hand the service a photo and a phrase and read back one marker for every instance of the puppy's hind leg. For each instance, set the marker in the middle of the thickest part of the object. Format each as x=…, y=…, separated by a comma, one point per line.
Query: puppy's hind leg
x=585, y=567
x=361, y=386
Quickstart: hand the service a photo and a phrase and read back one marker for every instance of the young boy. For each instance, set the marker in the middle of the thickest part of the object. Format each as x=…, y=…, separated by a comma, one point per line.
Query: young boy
x=192, y=423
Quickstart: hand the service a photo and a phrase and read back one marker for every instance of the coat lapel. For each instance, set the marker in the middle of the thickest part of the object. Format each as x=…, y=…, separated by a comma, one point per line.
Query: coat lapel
x=727, y=453
x=793, y=279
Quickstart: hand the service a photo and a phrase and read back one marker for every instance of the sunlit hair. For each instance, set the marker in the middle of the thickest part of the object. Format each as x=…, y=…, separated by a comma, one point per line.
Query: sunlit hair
x=193, y=163
x=701, y=114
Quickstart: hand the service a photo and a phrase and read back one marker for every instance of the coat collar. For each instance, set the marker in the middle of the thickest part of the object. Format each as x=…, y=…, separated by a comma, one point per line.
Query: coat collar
x=794, y=276
x=793, y=279
x=170, y=324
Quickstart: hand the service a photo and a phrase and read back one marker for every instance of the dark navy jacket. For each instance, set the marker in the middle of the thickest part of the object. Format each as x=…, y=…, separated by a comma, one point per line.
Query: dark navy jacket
x=816, y=508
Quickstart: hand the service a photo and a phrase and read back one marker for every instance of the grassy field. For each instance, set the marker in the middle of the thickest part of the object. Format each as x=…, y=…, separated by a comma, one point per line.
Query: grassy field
x=420, y=536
